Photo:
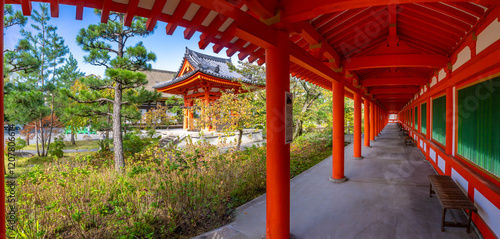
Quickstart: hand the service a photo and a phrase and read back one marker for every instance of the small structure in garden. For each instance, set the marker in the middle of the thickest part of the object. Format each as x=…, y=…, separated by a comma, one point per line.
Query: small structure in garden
x=204, y=77
x=155, y=76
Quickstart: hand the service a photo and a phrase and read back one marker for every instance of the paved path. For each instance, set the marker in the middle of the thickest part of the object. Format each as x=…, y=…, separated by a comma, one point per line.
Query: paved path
x=386, y=196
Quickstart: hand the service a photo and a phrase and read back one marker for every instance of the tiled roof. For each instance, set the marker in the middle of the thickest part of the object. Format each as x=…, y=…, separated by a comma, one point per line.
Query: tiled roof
x=210, y=65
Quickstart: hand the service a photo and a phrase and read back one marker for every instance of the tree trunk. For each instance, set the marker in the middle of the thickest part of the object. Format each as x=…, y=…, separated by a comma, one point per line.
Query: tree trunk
x=51, y=124
x=73, y=142
x=117, y=129
x=36, y=140
x=42, y=136
x=239, y=139
x=108, y=122
x=298, y=128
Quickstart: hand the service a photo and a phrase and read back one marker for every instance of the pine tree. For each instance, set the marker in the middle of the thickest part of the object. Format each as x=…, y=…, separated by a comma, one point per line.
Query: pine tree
x=42, y=46
x=121, y=79
x=67, y=75
x=17, y=59
x=12, y=18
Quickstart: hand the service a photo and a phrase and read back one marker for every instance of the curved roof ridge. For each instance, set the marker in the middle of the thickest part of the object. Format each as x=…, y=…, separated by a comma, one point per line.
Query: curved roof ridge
x=210, y=65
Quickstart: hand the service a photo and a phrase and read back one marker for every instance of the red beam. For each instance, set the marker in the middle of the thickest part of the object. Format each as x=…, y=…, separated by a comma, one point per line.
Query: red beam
x=129, y=16
x=400, y=90
x=26, y=7
x=453, y=12
x=299, y=10
x=404, y=60
x=54, y=8
x=263, y=8
x=311, y=35
x=106, y=8
x=79, y=9
x=155, y=13
x=249, y=28
x=197, y=20
x=395, y=96
x=394, y=81
x=176, y=17
x=212, y=30
x=434, y=16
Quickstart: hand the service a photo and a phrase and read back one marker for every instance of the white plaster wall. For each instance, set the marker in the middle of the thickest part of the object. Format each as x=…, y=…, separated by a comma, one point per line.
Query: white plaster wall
x=488, y=212
x=460, y=180
x=462, y=57
x=433, y=81
x=488, y=36
x=442, y=74
x=432, y=154
x=441, y=164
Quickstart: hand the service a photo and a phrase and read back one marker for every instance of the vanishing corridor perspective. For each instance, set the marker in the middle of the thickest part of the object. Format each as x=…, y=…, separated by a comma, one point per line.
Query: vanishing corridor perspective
x=431, y=65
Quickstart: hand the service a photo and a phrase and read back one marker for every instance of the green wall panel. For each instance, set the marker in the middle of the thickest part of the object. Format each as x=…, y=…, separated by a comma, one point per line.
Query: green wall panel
x=416, y=118
x=439, y=120
x=479, y=124
x=424, y=118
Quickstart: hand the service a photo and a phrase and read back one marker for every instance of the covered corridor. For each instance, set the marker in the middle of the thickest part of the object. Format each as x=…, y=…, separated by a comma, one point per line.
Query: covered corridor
x=389, y=55
x=386, y=196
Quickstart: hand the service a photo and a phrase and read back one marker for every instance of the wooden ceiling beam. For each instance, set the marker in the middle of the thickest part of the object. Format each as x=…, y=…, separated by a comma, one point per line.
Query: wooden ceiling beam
x=299, y=10
x=398, y=60
x=155, y=12
x=394, y=81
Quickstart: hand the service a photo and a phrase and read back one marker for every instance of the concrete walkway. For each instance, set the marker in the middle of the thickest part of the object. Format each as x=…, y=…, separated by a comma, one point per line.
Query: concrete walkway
x=386, y=196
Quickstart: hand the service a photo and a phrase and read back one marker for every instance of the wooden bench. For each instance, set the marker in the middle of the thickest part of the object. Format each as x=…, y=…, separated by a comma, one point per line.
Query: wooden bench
x=409, y=141
x=451, y=197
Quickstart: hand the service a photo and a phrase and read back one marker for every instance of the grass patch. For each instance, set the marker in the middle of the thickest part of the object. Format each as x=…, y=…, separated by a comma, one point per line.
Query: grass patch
x=162, y=193
x=80, y=145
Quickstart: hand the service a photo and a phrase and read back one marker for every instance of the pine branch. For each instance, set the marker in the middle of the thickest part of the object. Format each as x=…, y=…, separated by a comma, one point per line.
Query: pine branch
x=90, y=101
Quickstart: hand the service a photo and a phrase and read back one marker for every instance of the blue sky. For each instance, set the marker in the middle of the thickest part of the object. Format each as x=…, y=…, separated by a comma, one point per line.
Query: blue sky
x=169, y=49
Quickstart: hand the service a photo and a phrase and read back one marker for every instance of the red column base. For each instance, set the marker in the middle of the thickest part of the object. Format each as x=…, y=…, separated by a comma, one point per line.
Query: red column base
x=341, y=180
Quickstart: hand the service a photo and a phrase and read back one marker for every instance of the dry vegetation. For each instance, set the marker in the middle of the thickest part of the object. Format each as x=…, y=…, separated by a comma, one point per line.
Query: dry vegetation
x=163, y=193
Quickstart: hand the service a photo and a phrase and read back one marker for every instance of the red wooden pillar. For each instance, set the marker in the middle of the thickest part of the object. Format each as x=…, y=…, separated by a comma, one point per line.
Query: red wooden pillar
x=413, y=117
x=449, y=120
x=367, y=122
x=185, y=122
x=372, y=121
x=428, y=119
x=377, y=120
x=419, y=118
x=338, y=133
x=278, y=153
x=3, y=229
x=357, y=126
x=190, y=114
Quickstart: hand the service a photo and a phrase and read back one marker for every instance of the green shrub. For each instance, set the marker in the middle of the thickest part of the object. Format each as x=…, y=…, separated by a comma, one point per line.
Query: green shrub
x=164, y=192
x=56, y=148
x=20, y=143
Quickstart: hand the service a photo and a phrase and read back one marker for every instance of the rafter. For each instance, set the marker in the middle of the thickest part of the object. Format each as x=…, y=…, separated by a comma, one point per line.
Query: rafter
x=396, y=81
x=26, y=7
x=265, y=9
x=249, y=28
x=155, y=13
x=403, y=60
x=394, y=90
x=129, y=16
x=79, y=9
x=299, y=10
x=106, y=8
x=178, y=14
x=395, y=96
x=311, y=35
x=54, y=8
